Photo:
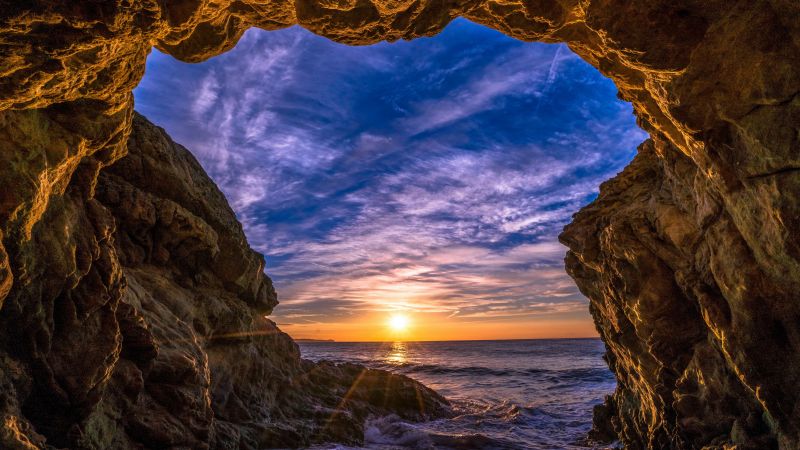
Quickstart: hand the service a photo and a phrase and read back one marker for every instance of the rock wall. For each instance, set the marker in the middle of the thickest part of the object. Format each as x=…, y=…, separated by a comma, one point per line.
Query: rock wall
x=690, y=256
x=137, y=320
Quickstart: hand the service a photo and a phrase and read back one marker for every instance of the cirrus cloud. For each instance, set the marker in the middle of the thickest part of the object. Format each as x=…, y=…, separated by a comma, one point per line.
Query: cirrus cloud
x=431, y=175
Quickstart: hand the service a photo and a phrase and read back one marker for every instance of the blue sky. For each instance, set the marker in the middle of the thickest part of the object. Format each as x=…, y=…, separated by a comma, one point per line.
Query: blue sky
x=430, y=176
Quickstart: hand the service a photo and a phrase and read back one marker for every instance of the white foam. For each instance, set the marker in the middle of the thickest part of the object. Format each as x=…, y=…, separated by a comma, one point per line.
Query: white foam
x=393, y=432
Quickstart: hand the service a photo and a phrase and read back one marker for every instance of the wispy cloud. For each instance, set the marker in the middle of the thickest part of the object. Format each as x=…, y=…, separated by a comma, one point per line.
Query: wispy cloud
x=515, y=72
x=431, y=175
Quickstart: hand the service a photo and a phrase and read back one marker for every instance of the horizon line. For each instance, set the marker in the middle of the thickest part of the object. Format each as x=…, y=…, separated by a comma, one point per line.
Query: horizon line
x=439, y=340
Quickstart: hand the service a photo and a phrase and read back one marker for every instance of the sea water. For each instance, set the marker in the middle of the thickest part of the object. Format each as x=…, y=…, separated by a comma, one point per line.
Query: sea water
x=526, y=394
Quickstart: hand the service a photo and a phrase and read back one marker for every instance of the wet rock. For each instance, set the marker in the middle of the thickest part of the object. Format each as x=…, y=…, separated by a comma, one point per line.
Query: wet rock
x=603, y=423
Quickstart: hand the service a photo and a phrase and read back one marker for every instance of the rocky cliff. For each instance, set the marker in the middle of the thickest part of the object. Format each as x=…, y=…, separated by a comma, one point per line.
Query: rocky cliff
x=690, y=257
x=137, y=319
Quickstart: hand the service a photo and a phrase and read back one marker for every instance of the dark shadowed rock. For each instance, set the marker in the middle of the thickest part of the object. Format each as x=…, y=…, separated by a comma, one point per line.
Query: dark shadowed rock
x=210, y=369
x=147, y=326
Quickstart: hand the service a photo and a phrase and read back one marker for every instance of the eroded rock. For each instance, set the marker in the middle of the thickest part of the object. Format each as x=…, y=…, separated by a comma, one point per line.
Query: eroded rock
x=142, y=324
x=690, y=257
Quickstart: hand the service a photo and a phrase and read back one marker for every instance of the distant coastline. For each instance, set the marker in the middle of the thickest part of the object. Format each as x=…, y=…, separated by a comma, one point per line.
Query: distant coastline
x=313, y=340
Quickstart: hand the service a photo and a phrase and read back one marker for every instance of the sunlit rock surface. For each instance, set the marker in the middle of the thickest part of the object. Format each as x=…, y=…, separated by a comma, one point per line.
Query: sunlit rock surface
x=689, y=257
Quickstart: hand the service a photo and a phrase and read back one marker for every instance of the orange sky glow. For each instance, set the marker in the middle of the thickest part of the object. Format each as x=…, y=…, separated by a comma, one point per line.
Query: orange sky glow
x=439, y=327
x=437, y=309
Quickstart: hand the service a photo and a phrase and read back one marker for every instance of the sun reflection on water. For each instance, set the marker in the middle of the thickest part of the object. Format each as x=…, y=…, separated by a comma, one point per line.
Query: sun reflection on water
x=398, y=353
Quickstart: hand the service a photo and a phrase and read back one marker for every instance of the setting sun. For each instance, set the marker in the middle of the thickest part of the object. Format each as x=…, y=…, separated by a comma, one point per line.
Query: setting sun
x=399, y=322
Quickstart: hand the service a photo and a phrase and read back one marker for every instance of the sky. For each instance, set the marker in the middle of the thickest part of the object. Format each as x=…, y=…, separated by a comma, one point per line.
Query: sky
x=429, y=178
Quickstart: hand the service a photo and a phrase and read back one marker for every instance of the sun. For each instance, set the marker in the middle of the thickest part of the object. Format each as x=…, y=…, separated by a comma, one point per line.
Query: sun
x=399, y=322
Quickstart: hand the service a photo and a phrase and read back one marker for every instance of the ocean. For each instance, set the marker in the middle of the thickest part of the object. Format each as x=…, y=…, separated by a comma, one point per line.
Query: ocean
x=526, y=394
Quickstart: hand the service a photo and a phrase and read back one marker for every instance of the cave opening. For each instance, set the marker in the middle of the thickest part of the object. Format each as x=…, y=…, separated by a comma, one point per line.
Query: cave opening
x=426, y=180
x=431, y=175
x=134, y=310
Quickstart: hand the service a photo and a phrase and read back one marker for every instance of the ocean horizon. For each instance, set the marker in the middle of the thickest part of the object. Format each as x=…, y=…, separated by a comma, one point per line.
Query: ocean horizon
x=446, y=340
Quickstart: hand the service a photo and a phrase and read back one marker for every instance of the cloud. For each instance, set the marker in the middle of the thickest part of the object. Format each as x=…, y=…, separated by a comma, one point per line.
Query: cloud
x=207, y=95
x=431, y=175
x=516, y=72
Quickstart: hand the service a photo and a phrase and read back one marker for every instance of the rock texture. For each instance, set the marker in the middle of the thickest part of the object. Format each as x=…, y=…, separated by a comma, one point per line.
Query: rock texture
x=137, y=320
x=690, y=257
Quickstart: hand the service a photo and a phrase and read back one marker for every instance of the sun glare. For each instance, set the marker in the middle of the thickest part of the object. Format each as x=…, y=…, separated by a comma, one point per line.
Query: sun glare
x=398, y=322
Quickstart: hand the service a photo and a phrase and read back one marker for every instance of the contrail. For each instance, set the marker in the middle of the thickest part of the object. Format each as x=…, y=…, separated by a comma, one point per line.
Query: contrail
x=551, y=74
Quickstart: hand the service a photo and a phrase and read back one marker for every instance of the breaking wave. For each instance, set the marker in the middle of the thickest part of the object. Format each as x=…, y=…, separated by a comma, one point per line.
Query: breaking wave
x=527, y=395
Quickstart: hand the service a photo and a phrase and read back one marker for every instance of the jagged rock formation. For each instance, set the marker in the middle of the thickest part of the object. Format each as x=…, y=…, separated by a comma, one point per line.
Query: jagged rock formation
x=657, y=254
x=142, y=324
x=690, y=257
